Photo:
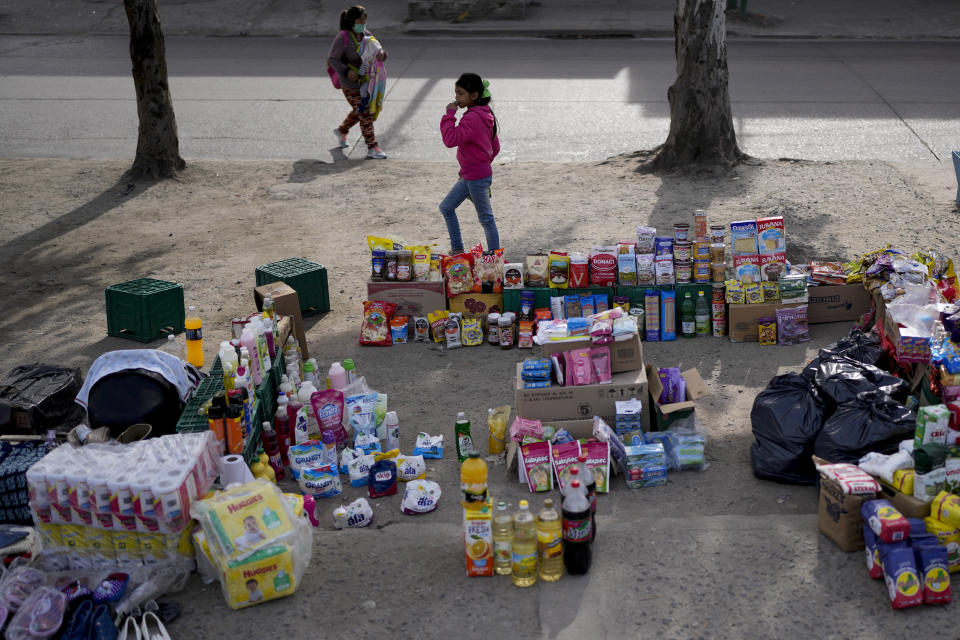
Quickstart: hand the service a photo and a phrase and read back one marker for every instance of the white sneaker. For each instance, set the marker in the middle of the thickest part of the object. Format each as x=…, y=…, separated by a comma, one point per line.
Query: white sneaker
x=341, y=139
x=152, y=628
x=130, y=630
x=376, y=153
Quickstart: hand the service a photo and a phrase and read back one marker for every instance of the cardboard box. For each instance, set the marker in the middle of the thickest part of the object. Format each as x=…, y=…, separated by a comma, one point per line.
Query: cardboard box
x=838, y=515
x=742, y=319
x=477, y=304
x=837, y=303
x=287, y=303
x=626, y=355
x=906, y=504
x=578, y=403
x=665, y=415
x=412, y=298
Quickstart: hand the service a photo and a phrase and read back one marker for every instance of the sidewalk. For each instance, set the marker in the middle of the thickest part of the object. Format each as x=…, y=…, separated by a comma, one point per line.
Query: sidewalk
x=846, y=19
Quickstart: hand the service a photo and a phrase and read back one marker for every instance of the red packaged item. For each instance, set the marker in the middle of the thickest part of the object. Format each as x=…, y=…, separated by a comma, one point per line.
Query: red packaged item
x=458, y=274
x=827, y=272
x=565, y=456
x=579, y=271
x=488, y=270
x=603, y=266
x=934, y=569
x=375, y=330
x=900, y=574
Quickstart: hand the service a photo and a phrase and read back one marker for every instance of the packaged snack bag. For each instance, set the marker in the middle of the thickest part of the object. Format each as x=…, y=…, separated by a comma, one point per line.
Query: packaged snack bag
x=421, y=329
x=322, y=481
x=355, y=515
x=932, y=565
x=438, y=323
x=579, y=270
x=489, y=270
x=900, y=574
x=472, y=333
x=536, y=462
x=382, y=477
x=887, y=523
x=421, y=261
x=753, y=293
x=564, y=457
x=734, y=292
x=771, y=291
x=411, y=468
x=398, y=329
x=558, y=265
x=513, y=275
x=429, y=446
x=360, y=470
x=458, y=272
x=598, y=463
x=375, y=330
x=420, y=496
x=645, y=239
x=600, y=359
x=452, y=333
x=827, y=272
x=538, y=270
x=603, y=266
x=792, y=325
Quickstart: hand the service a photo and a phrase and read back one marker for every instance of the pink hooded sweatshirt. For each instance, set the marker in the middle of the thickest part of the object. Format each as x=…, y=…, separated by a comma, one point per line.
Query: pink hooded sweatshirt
x=474, y=139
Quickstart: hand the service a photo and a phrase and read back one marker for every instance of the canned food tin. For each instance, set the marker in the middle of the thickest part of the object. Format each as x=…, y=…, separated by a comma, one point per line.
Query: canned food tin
x=701, y=250
x=719, y=327
x=700, y=224
x=684, y=272
x=701, y=271
x=682, y=251
x=719, y=291
x=681, y=231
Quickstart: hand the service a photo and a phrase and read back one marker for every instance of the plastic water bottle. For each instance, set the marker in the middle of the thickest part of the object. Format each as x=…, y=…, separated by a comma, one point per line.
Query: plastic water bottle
x=702, y=315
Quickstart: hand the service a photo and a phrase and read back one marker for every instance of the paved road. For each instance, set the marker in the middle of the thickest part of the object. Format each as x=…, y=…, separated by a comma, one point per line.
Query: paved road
x=555, y=100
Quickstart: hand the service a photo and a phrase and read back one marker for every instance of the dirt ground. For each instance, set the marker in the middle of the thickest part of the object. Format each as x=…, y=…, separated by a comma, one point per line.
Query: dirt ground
x=70, y=228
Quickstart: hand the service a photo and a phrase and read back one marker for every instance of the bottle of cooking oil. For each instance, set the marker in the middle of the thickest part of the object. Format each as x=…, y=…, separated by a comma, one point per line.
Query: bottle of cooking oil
x=524, y=547
x=549, y=542
x=502, y=540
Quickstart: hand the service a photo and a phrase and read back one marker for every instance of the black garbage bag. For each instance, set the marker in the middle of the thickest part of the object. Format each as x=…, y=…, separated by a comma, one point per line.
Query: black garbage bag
x=862, y=347
x=786, y=418
x=841, y=380
x=870, y=422
x=37, y=397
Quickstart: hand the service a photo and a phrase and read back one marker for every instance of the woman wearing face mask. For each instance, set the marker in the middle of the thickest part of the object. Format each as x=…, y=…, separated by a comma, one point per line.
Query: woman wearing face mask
x=345, y=59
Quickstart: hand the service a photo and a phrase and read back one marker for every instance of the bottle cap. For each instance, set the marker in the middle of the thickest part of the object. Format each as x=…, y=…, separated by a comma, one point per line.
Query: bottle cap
x=215, y=412
x=461, y=415
x=548, y=503
x=474, y=454
x=219, y=399
x=328, y=436
x=575, y=484
x=524, y=504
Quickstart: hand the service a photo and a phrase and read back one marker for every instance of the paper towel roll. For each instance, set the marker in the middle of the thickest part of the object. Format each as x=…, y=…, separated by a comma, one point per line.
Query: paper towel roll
x=233, y=469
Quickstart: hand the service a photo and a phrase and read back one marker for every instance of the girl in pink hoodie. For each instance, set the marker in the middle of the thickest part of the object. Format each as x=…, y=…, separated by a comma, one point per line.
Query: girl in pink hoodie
x=477, y=145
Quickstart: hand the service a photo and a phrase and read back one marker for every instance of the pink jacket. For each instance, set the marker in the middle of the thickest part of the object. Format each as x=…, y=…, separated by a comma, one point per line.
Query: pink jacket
x=474, y=139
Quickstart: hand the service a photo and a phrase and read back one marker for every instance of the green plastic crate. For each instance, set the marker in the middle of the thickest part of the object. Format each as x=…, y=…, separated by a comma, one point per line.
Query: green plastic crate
x=541, y=298
x=145, y=309
x=253, y=440
x=193, y=419
x=306, y=277
x=636, y=293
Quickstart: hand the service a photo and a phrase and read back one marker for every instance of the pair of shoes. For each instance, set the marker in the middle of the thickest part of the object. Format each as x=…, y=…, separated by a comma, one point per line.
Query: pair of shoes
x=81, y=434
x=90, y=621
x=130, y=629
x=341, y=138
x=376, y=153
x=152, y=629
x=112, y=588
x=139, y=431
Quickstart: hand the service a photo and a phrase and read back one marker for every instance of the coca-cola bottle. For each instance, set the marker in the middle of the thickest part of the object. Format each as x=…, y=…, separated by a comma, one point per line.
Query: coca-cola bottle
x=576, y=530
x=590, y=481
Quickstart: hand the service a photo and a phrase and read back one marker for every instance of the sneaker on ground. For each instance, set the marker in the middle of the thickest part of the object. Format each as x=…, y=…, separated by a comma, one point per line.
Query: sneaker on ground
x=376, y=153
x=341, y=139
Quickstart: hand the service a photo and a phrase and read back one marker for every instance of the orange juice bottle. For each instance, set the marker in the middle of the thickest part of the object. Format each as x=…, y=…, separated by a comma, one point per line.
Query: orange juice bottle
x=473, y=481
x=193, y=324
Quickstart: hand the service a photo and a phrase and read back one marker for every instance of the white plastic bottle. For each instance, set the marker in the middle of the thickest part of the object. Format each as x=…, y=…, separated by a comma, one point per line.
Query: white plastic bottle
x=337, y=376
x=229, y=355
x=249, y=341
x=306, y=390
x=392, y=423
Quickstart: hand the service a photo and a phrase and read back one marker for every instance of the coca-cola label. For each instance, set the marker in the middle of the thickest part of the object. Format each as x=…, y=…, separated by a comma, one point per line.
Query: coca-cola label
x=576, y=530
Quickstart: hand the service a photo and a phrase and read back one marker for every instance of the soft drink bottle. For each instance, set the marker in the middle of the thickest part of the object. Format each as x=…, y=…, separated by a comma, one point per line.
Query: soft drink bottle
x=524, y=547
x=590, y=482
x=271, y=446
x=549, y=545
x=473, y=481
x=576, y=530
x=193, y=325
x=702, y=315
x=502, y=540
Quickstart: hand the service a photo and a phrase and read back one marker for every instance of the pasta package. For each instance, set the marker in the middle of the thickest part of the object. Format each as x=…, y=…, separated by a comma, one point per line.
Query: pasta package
x=375, y=330
x=458, y=273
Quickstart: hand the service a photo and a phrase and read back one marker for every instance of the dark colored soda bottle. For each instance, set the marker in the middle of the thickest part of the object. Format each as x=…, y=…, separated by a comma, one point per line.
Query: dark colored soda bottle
x=586, y=475
x=576, y=530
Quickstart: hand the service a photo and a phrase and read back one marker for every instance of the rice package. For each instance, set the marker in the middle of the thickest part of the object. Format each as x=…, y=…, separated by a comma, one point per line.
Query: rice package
x=564, y=457
x=558, y=268
x=934, y=572
x=851, y=478
x=579, y=270
x=886, y=522
x=360, y=470
x=535, y=461
x=411, y=468
x=900, y=574
x=646, y=466
x=420, y=496
x=538, y=270
x=322, y=481
x=375, y=330
x=428, y=446
x=598, y=463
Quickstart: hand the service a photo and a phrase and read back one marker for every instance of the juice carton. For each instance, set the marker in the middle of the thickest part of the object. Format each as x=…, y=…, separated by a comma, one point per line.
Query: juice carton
x=478, y=540
x=770, y=235
x=743, y=237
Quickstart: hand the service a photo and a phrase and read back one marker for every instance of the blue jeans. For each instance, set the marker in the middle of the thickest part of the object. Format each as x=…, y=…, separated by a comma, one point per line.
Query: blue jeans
x=479, y=192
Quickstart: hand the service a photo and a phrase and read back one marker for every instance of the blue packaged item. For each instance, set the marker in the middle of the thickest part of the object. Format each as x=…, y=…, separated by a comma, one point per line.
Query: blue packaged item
x=543, y=374
x=368, y=443
x=382, y=479
x=578, y=327
x=537, y=384
x=536, y=364
x=586, y=305
x=904, y=586
x=917, y=526
x=562, y=436
x=321, y=482
x=663, y=245
x=933, y=565
x=429, y=446
x=668, y=315
x=923, y=540
x=669, y=442
x=690, y=451
x=646, y=466
x=601, y=302
x=305, y=455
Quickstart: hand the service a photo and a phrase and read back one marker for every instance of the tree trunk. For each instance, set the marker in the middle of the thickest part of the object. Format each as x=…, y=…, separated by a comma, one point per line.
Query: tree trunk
x=158, y=149
x=701, y=124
